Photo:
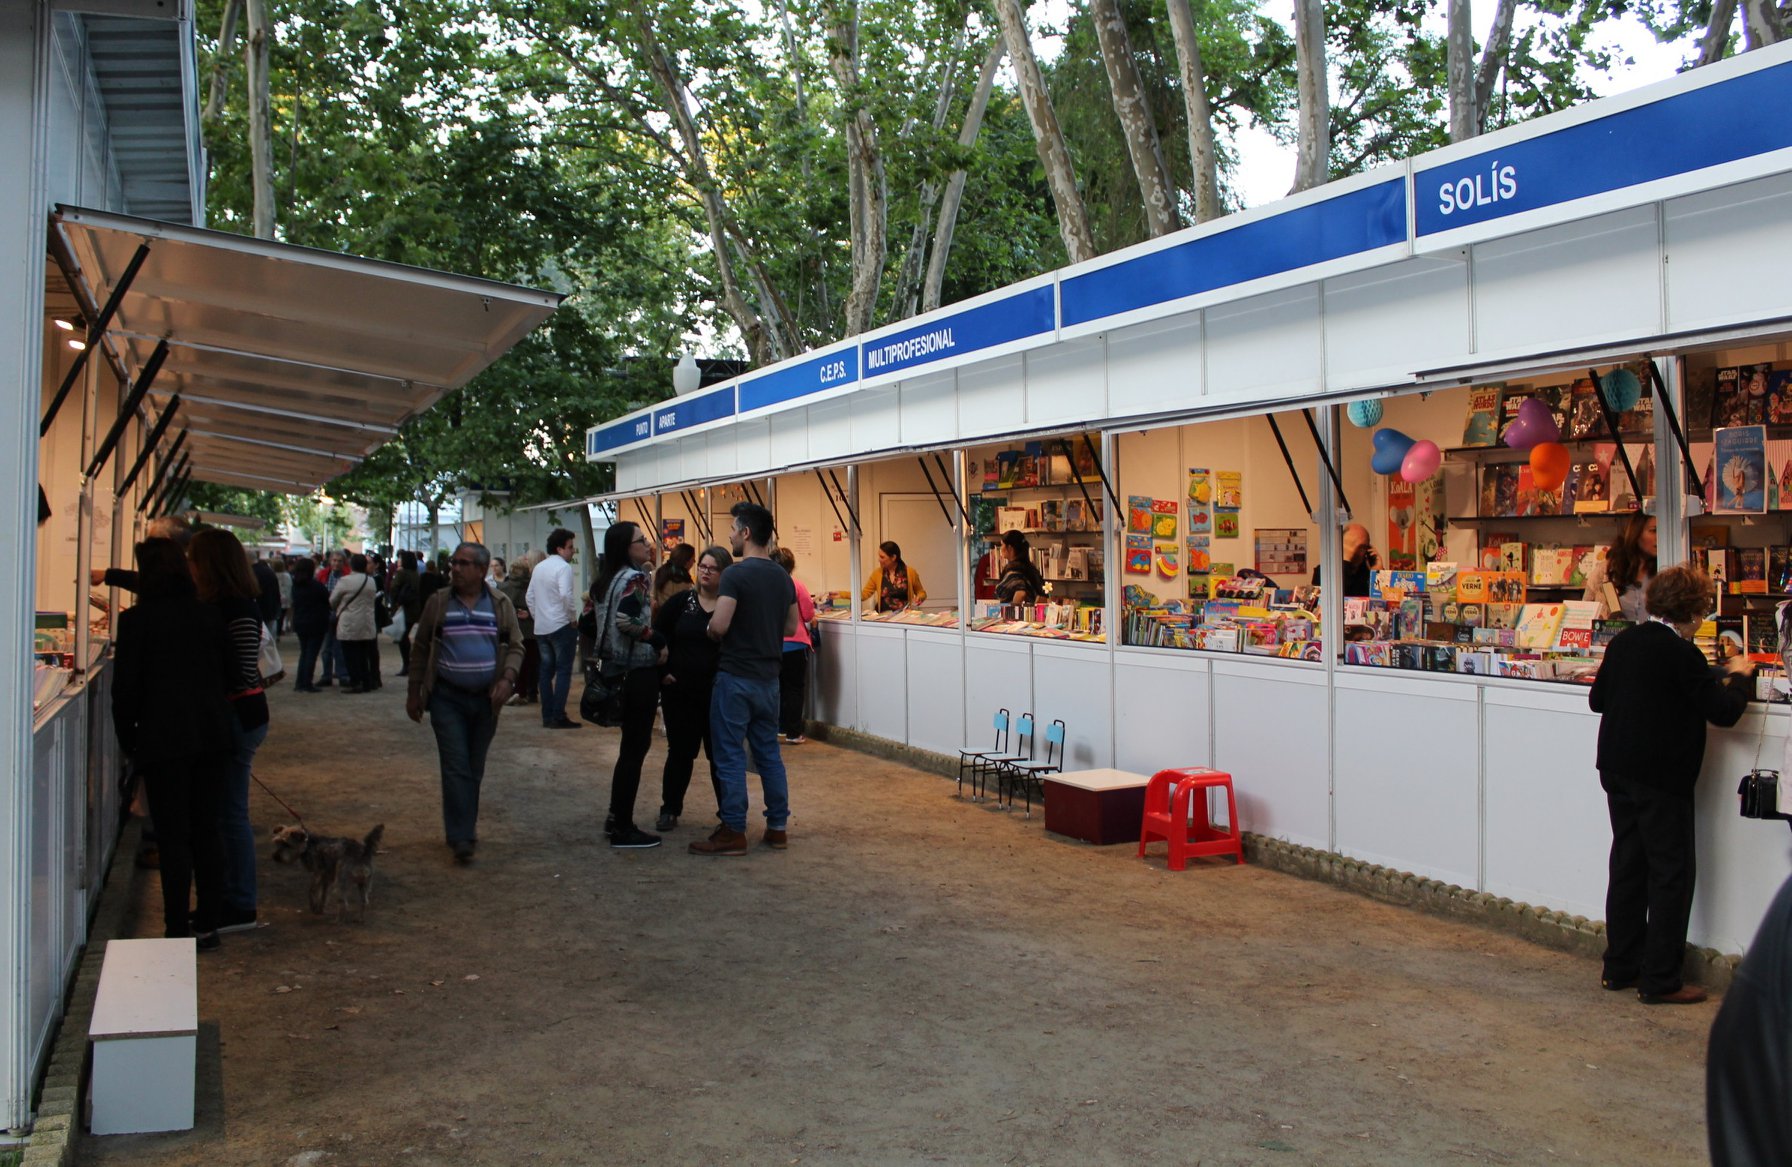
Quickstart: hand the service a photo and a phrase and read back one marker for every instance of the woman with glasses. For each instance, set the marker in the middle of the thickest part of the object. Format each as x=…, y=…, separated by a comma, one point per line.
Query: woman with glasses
x=630, y=651
x=686, y=682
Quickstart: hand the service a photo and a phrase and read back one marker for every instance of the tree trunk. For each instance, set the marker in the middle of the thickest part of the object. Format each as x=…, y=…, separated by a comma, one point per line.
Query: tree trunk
x=1202, y=158
x=1493, y=59
x=1761, y=25
x=590, y=533
x=752, y=327
x=1313, y=162
x=868, y=202
x=1459, y=79
x=214, y=98
x=1136, y=123
x=261, y=145
x=435, y=521
x=1054, y=156
x=1717, y=34
x=954, y=197
x=908, y=279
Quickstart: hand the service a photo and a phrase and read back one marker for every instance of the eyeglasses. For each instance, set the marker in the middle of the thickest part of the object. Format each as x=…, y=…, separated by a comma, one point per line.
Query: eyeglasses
x=642, y=539
x=463, y=563
x=707, y=567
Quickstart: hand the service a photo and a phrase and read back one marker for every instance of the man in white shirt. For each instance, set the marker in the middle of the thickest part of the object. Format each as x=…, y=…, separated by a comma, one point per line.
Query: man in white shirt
x=553, y=601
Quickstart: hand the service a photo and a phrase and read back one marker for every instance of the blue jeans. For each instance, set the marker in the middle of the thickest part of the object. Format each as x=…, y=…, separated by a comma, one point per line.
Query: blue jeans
x=464, y=724
x=239, y=836
x=335, y=660
x=744, y=714
x=557, y=650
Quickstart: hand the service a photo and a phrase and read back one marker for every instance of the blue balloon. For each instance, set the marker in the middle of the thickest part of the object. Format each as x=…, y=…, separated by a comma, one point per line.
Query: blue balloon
x=1390, y=450
x=1364, y=414
x=1621, y=389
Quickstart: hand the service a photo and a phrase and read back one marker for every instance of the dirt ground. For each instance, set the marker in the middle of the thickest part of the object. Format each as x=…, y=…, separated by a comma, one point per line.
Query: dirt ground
x=918, y=979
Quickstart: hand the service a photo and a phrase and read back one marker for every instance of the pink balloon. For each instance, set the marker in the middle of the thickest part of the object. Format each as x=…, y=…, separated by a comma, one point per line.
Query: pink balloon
x=1534, y=424
x=1421, y=462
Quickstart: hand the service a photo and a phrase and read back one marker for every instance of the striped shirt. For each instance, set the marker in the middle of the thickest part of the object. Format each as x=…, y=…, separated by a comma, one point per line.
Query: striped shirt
x=467, y=656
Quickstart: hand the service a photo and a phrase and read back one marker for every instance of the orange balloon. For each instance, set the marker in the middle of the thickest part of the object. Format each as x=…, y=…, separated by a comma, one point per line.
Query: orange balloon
x=1549, y=465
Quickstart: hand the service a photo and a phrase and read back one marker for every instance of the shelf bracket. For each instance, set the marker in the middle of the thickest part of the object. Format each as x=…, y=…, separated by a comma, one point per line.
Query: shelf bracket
x=96, y=332
x=834, y=506
x=1076, y=475
x=845, y=501
x=946, y=476
x=1662, y=401
x=932, y=486
x=149, y=445
x=1095, y=456
x=1305, y=503
x=145, y=378
x=1326, y=458
x=1611, y=427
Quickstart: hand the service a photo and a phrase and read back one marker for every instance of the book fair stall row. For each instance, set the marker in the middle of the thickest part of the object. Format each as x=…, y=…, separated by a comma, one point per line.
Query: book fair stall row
x=148, y=354
x=1497, y=359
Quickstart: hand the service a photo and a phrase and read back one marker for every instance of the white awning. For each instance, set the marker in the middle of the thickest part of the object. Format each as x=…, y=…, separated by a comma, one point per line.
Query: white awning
x=292, y=364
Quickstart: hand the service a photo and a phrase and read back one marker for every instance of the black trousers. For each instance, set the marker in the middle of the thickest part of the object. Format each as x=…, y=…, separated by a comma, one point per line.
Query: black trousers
x=640, y=697
x=363, y=657
x=1648, y=896
x=793, y=680
x=186, y=802
x=687, y=731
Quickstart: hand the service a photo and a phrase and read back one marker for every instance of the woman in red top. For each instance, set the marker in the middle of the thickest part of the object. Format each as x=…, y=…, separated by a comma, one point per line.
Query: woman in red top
x=793, y=676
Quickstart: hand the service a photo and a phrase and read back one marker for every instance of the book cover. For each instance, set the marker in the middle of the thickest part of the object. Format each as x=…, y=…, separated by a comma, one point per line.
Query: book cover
x=1512, y=557
x=1228, y=491
x=1138, y=554
x=1440, y=578
x=1779, y=569
x=1705, y=535
x=1539, y=624
x=1779, y=397
x=1576, y=630
x=1606, y=631
x=1593, y=480
x=1717, y=566
x=1471, y=587
x=1051, y=515
x=1005, y=469
x=1741, y=456
x=1751, y=571
x=1701, y=388
x=1761, y=630
x=1727, y=405
x=1639, y=420
x=1752, y=386
x=1138, y=514
x=1731, y=637
x=1164, y=523
x=1506, y=589
x=1483, y=423
x=1552, y=566
x=1525, y=497
x=1225, y=525
x=1585, y=418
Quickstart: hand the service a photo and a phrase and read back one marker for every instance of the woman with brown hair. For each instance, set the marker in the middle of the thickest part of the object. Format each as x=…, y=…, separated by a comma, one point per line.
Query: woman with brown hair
x=686, y=681
x=1628, y=568
x=220, y=569
x=1654, y=694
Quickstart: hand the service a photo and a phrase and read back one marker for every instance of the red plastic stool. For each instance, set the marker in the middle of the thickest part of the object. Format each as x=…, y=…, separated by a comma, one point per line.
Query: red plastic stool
x=1176, y=812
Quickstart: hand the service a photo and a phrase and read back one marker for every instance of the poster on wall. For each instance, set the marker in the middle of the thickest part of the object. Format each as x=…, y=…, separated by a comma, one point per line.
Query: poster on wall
x=1741, y=456
x=1403, y=519
x=1200, y=497
x=1282, y=552
x=671, y=533
x=1138, y=554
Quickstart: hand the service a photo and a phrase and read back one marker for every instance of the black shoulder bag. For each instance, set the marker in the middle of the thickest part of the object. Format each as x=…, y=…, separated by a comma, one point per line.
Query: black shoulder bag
x=601, y=702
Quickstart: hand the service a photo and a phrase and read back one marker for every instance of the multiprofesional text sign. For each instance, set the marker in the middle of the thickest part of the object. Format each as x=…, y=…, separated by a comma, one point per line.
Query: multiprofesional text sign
x=799, y=379
x=1292, y=241
x=963, y=333
x=1680, y=134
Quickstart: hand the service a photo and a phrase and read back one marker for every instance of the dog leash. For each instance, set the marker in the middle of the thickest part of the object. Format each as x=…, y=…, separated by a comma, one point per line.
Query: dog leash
x=289, y=810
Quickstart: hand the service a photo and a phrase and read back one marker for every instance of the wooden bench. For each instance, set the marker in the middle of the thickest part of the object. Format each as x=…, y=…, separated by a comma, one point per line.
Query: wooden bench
x=145, y=1034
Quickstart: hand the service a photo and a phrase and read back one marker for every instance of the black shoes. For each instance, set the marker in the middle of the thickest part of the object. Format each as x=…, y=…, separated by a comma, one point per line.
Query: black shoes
x=563, y=723
x=629, y=837
x=207, y=942
x=463, y=851
x=666, y=822
x=609, y=826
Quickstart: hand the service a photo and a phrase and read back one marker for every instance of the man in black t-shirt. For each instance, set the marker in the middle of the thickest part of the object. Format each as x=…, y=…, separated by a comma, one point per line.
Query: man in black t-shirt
x=755, y=612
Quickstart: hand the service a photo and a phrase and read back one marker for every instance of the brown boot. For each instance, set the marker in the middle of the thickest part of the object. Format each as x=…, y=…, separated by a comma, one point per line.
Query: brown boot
x=777, y=840
x=725, y=841
x=1684, y=995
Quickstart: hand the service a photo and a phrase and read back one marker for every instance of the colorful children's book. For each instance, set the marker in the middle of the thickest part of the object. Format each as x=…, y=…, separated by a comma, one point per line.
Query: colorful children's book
x=1751, y=571
x=1593, y=480
x=1727, y=404
x=1740, y=453
x=1779, y=397
x=1538, y=625
x=1499, y=490
x=1779, y=569
x=1512, y=556
x=1585, y=419
x=1752, y=385
x=1576, y=630
x=1483, y=424
x=1552, y=566
x=1527, y=503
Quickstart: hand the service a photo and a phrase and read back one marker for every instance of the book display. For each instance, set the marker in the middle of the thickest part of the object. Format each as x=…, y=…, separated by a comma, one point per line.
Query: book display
x=1050, y=491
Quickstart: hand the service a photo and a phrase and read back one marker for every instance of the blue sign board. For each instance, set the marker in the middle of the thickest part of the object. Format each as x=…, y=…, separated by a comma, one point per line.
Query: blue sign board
x=1722, y=122
x=800, y=379
x=1362, y=220
x=626, y=432
x=687, y=412
x=998, y=322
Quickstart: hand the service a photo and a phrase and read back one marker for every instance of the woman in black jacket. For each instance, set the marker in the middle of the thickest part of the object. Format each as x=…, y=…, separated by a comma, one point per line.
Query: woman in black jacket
x=1655, y=692
x=686, y=681
x=170, y=708
x=311, y=620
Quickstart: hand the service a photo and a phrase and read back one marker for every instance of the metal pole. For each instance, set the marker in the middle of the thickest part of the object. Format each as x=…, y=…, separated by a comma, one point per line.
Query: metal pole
x=145, y=378
x=149, y=445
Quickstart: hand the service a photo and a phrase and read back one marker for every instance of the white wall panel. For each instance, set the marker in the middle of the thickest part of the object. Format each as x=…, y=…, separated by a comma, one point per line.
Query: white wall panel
x=1067, y=382
x=998, y=674
x=830, y=429
x=788, y=441
x=1266, y=344
x=749, y=454
x=1405, y=774
x=1073, y=683
x=1715, y=243
x=876, y=422
x=1742, y=862
x=837, y=675
x=1162, y=711
x=1546, y=833
x=1271, y=734
x=929, y=409
x=936, y=690
x=882, y=668
x=693, y=462
x=1381, y=325
x=1155, y=366
x=992, y=397
x=1597, y=279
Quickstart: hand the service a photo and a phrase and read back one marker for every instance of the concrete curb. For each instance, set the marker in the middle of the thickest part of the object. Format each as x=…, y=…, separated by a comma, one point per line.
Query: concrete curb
x=57, y=1123
x=1551, y=929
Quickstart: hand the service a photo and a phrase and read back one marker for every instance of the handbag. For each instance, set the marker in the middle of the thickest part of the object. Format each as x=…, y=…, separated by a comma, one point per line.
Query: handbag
x=1759, y=792
x=270, y=665
x=397, y=626
x=601, y=702
x=382, y=612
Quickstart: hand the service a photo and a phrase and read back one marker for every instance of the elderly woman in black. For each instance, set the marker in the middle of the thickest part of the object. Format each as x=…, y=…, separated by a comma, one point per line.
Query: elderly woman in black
x=171, y=679
x=1655, y=692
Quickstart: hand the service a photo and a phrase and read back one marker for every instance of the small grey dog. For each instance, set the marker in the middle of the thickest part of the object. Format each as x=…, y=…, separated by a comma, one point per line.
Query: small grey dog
x=332, y=861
